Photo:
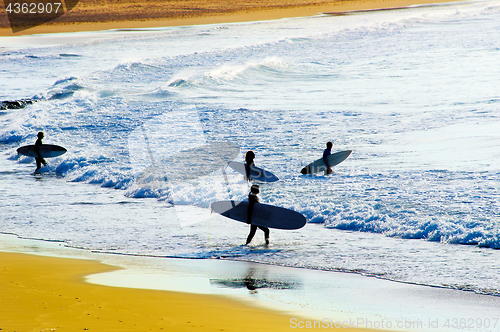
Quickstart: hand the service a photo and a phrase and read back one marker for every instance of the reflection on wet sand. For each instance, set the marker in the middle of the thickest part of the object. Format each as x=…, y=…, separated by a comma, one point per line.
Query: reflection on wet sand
x=252, y=283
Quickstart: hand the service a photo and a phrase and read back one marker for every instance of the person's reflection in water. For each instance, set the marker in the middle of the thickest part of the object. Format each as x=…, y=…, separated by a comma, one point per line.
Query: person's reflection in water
x=250, y=282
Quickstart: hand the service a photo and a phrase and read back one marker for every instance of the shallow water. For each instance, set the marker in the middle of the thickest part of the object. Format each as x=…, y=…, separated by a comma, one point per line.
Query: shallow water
x=414, y=94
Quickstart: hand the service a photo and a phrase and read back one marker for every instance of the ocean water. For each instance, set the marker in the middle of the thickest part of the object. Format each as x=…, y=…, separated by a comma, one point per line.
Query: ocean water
x=150, y=116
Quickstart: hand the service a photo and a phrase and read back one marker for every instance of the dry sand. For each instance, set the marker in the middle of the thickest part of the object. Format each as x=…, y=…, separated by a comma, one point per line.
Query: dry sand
x=94, y=15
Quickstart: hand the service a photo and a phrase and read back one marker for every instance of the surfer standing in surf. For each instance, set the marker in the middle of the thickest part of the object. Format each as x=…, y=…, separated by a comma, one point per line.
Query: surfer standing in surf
x=249, y=157
x=326, y=153
x=252, y=200
x=39, y=159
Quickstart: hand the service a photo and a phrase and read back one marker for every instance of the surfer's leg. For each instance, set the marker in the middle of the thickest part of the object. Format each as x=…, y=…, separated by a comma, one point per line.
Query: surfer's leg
x=266, y=233
x=38, y=164
x=253, y=229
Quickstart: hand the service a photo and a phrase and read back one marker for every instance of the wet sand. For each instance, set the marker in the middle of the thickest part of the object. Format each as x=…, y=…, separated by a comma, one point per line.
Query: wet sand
x=49, y=294
x=47, y=286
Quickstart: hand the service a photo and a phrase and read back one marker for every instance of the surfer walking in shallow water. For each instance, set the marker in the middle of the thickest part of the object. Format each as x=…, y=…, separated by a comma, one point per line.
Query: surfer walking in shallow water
x=39, y=160
x=326, y=153
x=252, y=200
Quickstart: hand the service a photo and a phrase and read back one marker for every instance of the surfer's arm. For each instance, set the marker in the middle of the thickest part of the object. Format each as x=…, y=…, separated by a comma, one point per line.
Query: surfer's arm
x=37, y=148
x=251, y=204
x=325, y=159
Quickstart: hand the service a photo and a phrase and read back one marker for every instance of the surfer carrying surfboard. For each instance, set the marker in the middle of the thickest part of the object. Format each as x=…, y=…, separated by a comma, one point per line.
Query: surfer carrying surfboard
x=326, y=153
x=252, y=200
x=39, y=159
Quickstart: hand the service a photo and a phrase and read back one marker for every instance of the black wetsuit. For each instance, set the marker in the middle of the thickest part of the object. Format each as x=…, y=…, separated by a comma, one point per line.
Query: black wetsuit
x=248, y=165
x=39, y=160
x=326, y=154
x=252, y=199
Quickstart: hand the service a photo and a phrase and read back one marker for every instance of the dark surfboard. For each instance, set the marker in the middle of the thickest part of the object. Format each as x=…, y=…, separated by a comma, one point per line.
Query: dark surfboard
x=320, y=166
x=262, y=214
x=46, y=151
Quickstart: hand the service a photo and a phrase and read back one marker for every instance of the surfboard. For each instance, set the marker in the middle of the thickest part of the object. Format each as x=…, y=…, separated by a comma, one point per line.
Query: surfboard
x=320, y=166
x=256, y=173
x=46, y=151
x=262, y=215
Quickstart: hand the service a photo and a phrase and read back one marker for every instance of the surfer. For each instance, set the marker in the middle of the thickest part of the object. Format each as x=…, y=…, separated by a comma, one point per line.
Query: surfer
x=39, y=159
x=326, y=153
x=249, y=157
x=252, y=200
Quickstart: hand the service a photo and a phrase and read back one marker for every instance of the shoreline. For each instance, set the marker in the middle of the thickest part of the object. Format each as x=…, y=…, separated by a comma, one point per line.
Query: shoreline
x=263, y=13
x=284, y=297
x=52, y=287
x=58, y=298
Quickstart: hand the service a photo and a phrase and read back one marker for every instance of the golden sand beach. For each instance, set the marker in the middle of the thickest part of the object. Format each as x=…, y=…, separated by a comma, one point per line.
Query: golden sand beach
x=93, y=15
x=42, y=293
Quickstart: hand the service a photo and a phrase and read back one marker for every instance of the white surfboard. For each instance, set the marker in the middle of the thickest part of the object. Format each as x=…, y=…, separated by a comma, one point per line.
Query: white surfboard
x=320, y=166
x=256, y=173
x=262, y=214
x=46, y=151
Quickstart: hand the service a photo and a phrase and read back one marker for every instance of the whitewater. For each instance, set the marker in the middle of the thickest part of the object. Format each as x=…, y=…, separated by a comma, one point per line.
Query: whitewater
x=412, y=92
